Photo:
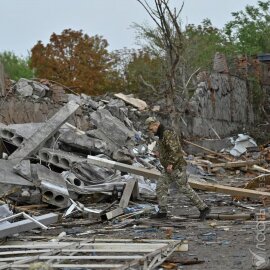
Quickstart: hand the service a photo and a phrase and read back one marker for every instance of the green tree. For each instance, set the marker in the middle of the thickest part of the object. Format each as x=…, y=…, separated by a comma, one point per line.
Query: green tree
x=202, y=42
x=250, y=29
x=16, y=67
x=142, y=72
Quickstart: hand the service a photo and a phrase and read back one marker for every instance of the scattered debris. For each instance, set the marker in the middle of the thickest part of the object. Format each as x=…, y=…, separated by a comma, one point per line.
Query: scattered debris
x=101, y=180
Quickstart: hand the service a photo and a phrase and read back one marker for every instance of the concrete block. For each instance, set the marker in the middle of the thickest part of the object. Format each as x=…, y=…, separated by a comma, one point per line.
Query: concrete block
x=53, y=187
x=43, y=134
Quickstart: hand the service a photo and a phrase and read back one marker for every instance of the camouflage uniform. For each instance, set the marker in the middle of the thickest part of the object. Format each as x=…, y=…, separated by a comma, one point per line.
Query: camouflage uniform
x=170, y=152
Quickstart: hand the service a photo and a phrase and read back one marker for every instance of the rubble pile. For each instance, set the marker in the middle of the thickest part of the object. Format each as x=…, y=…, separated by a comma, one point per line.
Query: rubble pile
x=55, y=174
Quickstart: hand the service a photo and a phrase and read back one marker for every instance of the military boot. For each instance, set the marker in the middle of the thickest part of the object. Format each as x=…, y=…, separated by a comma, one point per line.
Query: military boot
x=204, y=213
x=159, y=215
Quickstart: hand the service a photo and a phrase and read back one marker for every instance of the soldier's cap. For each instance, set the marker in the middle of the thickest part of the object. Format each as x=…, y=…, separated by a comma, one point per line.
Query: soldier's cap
x=150, y=120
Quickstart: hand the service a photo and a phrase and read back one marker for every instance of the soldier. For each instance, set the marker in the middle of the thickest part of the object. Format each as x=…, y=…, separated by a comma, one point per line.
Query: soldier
x=171, y=158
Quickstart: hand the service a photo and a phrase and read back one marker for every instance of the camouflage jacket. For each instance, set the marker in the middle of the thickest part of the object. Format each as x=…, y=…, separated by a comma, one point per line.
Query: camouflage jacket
x=170, y=149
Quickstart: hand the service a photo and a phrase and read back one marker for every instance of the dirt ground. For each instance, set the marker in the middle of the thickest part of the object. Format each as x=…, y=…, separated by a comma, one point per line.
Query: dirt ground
x=213, y=244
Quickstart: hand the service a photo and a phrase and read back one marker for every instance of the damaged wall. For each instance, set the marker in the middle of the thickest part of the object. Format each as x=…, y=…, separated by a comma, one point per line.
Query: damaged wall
x=17, y=110
x=221, y=103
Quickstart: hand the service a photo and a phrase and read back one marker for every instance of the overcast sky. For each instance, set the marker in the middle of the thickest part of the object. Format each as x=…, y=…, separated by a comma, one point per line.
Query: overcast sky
x=24, y=22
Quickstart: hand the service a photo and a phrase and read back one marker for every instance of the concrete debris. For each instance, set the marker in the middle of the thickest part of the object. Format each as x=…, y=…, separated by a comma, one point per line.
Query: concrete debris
x=241, y=144
x=138, y=103
x=101, y=167
x=28, y=88
x=5, y=212
x=38, y=139
x=26, y=225
x=82, y=143
x=53, y=186
x=115, y=130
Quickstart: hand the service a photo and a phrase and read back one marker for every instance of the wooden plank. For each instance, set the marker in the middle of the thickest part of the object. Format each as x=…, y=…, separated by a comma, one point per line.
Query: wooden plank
x=235, y=164
x=26, y=225
x=108, y=246
x=260, y=169
x=114, y=213
x=154, y=174
x=127, y=193
x=67, y=257
x=228, y=190
x=151, y=174
x=77, y=266
x=84, y=250
x=159, y=252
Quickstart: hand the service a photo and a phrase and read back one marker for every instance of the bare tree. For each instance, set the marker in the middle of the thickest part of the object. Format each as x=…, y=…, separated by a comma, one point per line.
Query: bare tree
x=172, y=42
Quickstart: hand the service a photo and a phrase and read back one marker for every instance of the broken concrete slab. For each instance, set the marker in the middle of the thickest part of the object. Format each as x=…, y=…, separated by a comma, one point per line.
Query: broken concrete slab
x=83, y=143
x=9, y=180
x=92, y=174
x=26, y=225
x=99, y=134
x=138, y=103
x=23, y=168
x=43, y=134
x=24, y=88
x=87, y=173
x=118, y=109
x=5, y=212
x=112, y=127
x=53, y=186
x=123, y=156
x=59, y=158
x=39, y=89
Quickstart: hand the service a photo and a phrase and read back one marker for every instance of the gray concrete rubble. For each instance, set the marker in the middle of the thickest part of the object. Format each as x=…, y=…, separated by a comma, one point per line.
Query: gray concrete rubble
x=87, y=173
x=43, y=134
x=5, y=212
x=23, y=168
x=26, y=225
x=9, y=180
x=89, y=158
x=116, y=130
x=59, y=158
x=83, y=143
x=92, y=174
x=53, y=186
x=28, y=88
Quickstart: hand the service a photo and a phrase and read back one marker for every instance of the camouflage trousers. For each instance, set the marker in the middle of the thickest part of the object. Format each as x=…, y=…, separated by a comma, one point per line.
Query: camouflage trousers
x=180, y=178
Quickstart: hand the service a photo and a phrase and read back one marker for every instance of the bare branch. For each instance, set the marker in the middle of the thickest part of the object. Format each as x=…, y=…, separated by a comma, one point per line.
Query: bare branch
x=191, y=76
x=149, y=11
x=147, y=84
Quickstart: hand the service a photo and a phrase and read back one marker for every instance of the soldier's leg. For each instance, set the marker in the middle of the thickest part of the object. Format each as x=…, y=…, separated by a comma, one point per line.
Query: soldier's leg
x=180, y=177
x=162, y=191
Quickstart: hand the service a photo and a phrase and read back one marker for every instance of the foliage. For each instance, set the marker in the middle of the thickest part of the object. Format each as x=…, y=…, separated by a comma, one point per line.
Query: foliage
x=77, y=61
x=249, y=30
x=16, y=67
x=144, y=73
x=202, y=42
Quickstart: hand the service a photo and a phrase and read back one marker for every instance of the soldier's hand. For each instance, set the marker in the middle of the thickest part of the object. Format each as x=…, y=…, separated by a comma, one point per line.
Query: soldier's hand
x=169, y=168
x=156, y=154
